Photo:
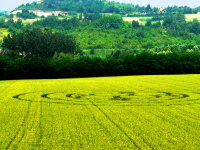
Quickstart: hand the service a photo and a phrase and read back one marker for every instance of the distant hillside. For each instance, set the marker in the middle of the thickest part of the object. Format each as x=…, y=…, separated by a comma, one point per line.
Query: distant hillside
x=102, y=6
x=81, y=6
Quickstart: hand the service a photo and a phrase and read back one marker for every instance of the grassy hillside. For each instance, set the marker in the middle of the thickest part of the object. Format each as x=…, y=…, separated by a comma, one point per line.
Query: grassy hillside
x=135, y=112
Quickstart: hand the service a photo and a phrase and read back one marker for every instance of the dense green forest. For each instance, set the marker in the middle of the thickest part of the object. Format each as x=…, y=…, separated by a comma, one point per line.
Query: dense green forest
x=89, y=43
x=109, y=33
x=66, y=66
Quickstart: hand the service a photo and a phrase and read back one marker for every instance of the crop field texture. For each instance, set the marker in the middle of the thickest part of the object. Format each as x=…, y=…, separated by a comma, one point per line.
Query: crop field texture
x=190, y=17
x=134, y=112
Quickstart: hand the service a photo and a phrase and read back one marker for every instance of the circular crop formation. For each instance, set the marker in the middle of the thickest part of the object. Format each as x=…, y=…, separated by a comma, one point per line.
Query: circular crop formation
x=141, y=98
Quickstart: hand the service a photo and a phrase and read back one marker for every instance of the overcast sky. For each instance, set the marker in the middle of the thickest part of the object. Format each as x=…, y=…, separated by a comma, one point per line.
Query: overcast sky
x=11, y=4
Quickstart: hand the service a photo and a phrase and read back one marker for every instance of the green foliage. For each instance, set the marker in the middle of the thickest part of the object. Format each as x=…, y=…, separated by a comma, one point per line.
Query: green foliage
x=110, y=21
x=55, y=23
x=25, y=14
x=135, y=24
x=4, y=63
x=120, y=63
x=92, y=52
x=28, y=68
x=11, y=24
x=102, y=6
x=175, y=23
x=149, y=23
x=184, y=10
x=111, y=32
x=194, y=26
x=176, y=48
x=40, y=42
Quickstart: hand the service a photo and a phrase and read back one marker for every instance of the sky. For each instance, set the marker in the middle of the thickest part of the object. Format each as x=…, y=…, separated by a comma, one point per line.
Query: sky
x=9, y=5
x=12, y=4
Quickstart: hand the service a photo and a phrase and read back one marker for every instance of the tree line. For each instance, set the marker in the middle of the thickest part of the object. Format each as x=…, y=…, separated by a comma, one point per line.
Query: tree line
x=68, y=66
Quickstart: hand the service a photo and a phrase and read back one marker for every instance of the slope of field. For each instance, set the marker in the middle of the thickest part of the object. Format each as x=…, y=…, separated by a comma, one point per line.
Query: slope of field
x=190, y=17
x=135, y=112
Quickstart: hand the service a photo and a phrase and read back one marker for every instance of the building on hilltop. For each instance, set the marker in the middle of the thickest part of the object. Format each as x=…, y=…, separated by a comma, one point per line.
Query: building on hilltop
x=56, y=13
x=41, y=13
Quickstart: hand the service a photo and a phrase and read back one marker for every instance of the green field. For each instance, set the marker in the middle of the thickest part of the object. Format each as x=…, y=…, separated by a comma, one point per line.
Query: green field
x=3, y=32
x=134, y=112
x=190, y=17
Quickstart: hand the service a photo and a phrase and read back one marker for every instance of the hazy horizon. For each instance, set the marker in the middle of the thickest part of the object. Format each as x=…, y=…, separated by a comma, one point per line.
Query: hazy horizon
x=9, y=5
x=164, y=3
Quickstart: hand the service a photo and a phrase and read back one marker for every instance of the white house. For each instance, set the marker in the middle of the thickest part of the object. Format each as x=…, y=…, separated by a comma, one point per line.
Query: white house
x=56, y=13
x=46, y=14
x=41, y=13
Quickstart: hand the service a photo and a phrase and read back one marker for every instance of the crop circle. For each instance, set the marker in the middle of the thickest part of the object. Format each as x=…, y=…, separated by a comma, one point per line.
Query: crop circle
x=125, y=98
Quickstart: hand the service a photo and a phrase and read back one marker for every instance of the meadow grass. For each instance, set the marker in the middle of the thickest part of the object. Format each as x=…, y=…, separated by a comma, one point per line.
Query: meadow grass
x=133, y=112
x=30, y=21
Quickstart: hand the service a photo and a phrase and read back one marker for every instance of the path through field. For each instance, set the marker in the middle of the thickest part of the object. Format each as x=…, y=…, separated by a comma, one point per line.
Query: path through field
x=135, y=112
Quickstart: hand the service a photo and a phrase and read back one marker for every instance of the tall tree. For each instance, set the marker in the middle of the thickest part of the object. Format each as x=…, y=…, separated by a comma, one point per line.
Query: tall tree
x=40, y=42
x=111, y=21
